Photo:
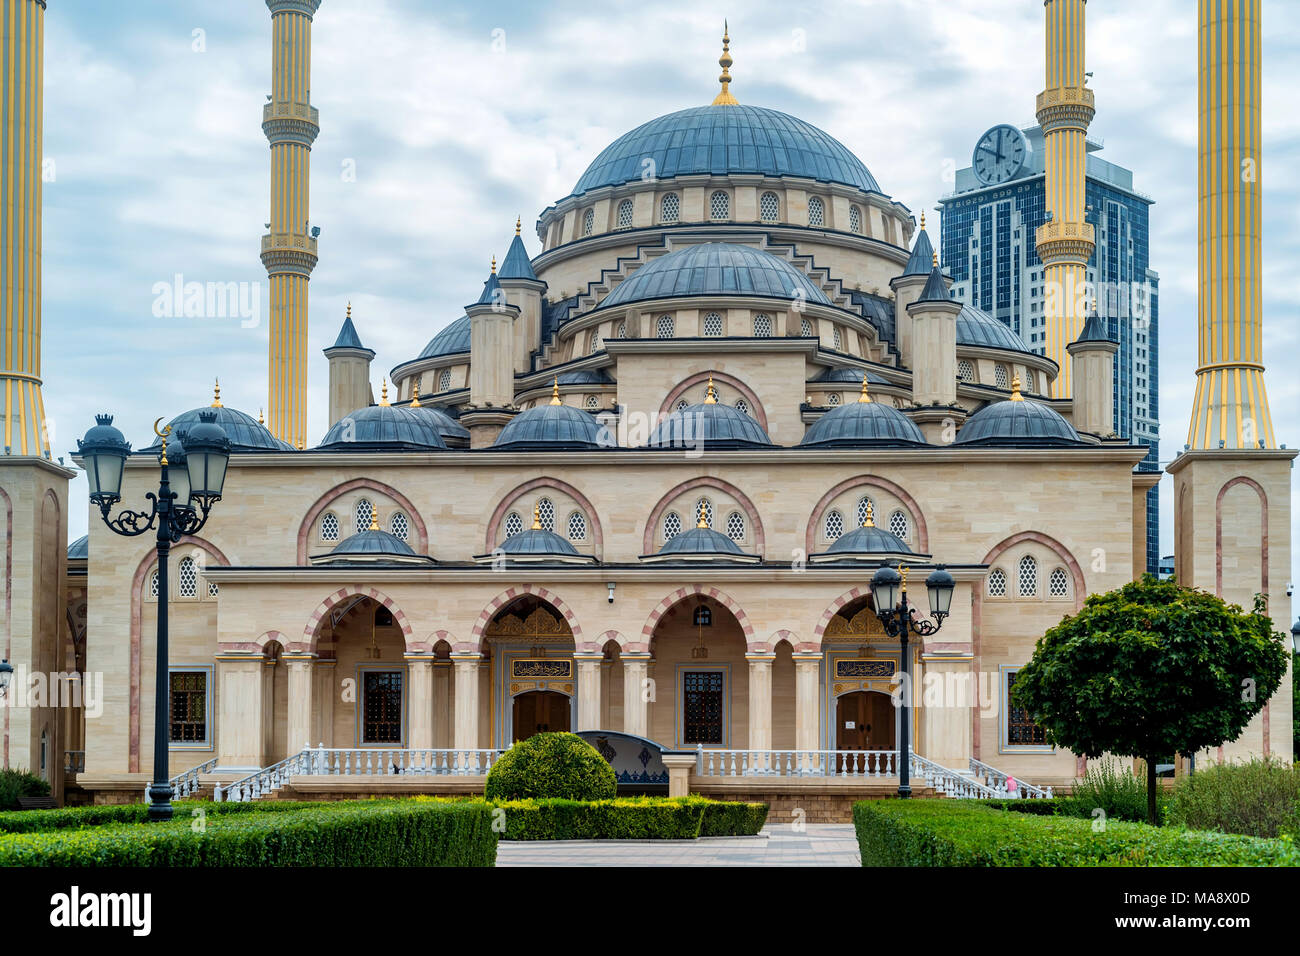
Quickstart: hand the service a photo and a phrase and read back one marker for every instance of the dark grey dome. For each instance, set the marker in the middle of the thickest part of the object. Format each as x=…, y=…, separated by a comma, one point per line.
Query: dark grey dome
x=700, y=541
x=976, y=327
x=1017, y=422
x=373, y=542
x=853, y=375
x=446, y=426
x=79, y=550
x=245, y=433
x=586, y=376
x=869, y=540
x=863, y=423
x=710, y=424
x=383, y=428
x=553, y=426
x=449, y=341
x=538, y=541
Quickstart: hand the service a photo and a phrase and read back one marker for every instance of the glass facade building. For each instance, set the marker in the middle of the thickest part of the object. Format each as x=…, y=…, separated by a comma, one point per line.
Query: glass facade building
x=987, y=244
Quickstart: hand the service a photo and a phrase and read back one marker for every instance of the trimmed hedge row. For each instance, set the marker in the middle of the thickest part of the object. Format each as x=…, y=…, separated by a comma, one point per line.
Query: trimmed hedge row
x=953, y=833
x=364, y=833
x=40, y=821
x=629, y=818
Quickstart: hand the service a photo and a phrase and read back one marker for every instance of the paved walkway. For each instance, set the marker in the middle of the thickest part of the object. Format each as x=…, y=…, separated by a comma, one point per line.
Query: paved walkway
x=820, y=844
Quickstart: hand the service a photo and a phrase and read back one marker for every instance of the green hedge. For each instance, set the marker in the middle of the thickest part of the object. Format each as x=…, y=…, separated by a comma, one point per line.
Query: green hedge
x=20, y=783
x=551, y=765
x=629, y=818
x=363, y=833
x=956, y=833
x=39, y=821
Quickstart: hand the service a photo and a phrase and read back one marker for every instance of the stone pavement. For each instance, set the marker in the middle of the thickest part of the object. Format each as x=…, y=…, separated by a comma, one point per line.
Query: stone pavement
x=820, y=844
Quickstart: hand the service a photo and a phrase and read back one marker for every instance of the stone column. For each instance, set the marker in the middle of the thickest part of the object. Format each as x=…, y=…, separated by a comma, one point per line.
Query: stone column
x=442, y=717
x=419, y=671
x=465, y=723
x=635, y=669
x=679, y=773
x=588, y=691
x=807, y=702
x=760, y=702
x=945, y=697
x=301, y=702
x=239, y=731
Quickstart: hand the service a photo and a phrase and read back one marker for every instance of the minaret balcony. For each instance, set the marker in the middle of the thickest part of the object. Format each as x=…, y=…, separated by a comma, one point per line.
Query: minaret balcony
x=288, y=252
x=290, y=122
x=1065, y=242
x=1066, y=107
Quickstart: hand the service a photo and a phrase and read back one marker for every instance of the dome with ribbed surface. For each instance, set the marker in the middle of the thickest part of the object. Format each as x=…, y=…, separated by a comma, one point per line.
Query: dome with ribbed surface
x=538, y=541
x=976, y=327
x=372, y=546
x=243, y=430
x=449, y=341
x=1015, y=422
x=447, y=427
x=708, y=425
x=383, y=428
x=863, y=423
x=79, y=550
x=553, y=427
x=720, y=140
x=716, y=268
x=701, y=544
x=847, y=375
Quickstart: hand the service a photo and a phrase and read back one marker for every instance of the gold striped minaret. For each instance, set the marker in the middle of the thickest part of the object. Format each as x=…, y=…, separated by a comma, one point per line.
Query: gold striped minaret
x=20, y=228
x=1230, y=405
x=288, y=250
x=1065, y=242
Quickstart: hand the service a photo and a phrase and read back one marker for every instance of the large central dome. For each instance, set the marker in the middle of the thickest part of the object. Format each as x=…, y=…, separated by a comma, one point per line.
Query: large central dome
x=726, y=139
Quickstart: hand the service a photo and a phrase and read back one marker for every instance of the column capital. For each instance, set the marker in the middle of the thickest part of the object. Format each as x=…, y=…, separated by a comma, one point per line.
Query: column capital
x=760, y=658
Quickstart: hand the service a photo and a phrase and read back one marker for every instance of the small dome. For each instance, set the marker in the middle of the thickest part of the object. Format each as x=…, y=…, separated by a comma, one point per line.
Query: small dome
x=701, y=544
x=538, y=541
x=449, y=341
x=586, y=376
x=863, y=423
x=716, y=268
x=79, y=550
x=869, y=540
x=383, y=427
x=447, y=427
x=1017, y=422
x=710, y=424
x=849, y=375
x=718, y=140
x=372, y=547
x=551, y=427
x=977, y=328
x=245, y=433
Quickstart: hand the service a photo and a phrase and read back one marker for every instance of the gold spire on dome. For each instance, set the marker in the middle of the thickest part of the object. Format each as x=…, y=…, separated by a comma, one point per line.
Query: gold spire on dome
x=1015, y=390
x=415, y=392
x=702, y=522
x=537, y=517
x=349, y=310
x=260, y=420
x=922, y=220
x=711, y=394
x=383, y=394
x=494, y=265
x=725, y=98
x=216, y=393
x=936, y=258
x=864, y=397
x=869, y=521
x=519, y=222
x=374, y=519
x=555, y=391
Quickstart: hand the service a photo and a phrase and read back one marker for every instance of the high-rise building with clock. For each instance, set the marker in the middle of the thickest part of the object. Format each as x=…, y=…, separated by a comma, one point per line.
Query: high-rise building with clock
x=988, y=245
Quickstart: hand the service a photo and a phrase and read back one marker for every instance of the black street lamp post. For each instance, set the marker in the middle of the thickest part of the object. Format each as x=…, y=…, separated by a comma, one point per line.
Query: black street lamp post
x=889, y=593
x=191, y=480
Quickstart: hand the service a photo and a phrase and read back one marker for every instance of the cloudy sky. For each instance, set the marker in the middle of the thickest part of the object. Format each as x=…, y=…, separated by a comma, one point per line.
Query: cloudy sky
x=458, y=116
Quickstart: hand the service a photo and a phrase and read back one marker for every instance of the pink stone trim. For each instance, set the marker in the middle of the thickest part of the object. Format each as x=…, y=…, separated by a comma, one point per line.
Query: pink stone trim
x=682, y=594
x=511, y=497
x=1052, y=545
x=475, y=643
x=898, y=491
x=704, y=481
x=1263, y=536
x=311, y=631
x=686, y=384
x=325, y=500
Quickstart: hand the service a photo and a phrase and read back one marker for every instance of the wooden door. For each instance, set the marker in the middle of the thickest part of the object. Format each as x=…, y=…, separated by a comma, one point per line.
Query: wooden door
x=540, y=711
x=880, y=722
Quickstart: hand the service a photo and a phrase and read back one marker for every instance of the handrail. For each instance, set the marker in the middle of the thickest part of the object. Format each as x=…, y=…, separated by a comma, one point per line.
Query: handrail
x=186, y=783
x=795, y=763
x=996, y=778
x=950, y=783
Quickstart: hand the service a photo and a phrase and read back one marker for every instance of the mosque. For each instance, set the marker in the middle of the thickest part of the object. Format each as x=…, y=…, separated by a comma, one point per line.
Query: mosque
x=640, y=486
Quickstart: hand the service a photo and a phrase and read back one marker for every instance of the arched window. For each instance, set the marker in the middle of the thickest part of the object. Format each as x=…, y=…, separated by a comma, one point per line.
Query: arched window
x=863, y=504
x=664, y=327
x=855, y=219
x=187, y=578
x=762, y=326
x=363, y=512
x=672, y=525
x=592, y=402
x=1058, y=584
x=683, y=404
x=898, y=524
x=1028, y=577
x=1031, y=384
x=622, y=329
x=588, y=221
x=805, y=328
x=577, y=526
x=719, y=205
x=769, y=207
x=514, y=524
x=816, y=212
x=1000, y=376
x=669, y=208
x=834, y=525
x=965, y=371
x=712, y=324
x=735, y=526
x=444, y=380
x=706, y=506
x=329, y=526
x=595, y=342
x=997, y=583
x=837, y=339
x=153, y=583
x=546, y=513
x=742, y=406
x=625, y=214
x=398, y=526
x=833, y=399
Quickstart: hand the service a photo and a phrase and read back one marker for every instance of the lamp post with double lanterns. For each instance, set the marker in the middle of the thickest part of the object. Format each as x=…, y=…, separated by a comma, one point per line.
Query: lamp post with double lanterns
x=889, y=593
x=193, y=473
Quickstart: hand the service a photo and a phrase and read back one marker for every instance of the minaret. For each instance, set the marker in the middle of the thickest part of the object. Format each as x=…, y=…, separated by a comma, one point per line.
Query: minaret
x=1230, y=406
x=1065, y=241
x=288, y=250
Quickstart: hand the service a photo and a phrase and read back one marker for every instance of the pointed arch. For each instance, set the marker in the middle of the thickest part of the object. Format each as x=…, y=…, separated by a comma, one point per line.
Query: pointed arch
x=1218, y=532
x=421, y=543
x=1060, y=550
x=475, y=643
x=491, y=540
x=311, y=631
x=682, y=594
x=703, y=481
x=829, y=612
x=686, y=384
x=898, y=491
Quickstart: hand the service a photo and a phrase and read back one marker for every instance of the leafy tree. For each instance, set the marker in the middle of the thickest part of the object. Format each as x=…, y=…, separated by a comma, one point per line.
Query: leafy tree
x=1151, y=668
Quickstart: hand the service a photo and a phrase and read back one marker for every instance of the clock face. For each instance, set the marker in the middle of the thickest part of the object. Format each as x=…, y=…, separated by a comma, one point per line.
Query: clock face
x=999, y=155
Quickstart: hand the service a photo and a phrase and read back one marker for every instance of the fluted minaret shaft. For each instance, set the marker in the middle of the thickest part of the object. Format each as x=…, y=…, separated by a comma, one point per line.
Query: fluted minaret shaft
x=1230, y=405
x=1065, y=243
x=288, y=251
x=20, y=227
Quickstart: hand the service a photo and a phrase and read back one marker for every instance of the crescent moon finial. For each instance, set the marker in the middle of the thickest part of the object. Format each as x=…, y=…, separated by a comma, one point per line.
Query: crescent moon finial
x=165, y=432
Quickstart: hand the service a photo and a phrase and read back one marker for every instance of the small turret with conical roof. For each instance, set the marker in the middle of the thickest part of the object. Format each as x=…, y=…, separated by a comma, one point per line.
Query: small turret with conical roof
x=907, y=289
x=492, y=347
x=933, y=318
x=526, y=292
x=1092, y=370
x=349, y=371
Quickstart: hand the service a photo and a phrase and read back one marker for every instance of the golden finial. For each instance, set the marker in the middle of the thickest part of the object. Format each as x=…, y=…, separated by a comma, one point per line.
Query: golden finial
x=922, y=218
x=725, y=98
x=349, y=310
x=870, y=520
x=216, y=393
x=260, y=419
x=555, y=391
x=711, y=394
x=374, y=519
x=864, y=397
x=1015, y=390
x=902, y=572
x=537, y=517
x=167, y=430
x=383, y=394
x=702, y=523
x=301, y=446
x=936, y=258
x=415, y=392
x=519, y=222
x=494, y=265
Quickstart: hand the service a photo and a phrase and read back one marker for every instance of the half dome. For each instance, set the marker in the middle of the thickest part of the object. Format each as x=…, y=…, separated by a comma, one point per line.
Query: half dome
x=551, y=427
x=708, y=424
x=701, y=545
x=863, y=423
x=1017, y=422
x=372, y=546
x=975, y=327
x=713, y=269
x=721, y=140
x=383, y=428
x=536, y=545
x=448, y=341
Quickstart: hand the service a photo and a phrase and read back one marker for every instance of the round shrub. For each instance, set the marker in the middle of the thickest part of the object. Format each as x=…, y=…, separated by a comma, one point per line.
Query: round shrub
x=551, y=765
